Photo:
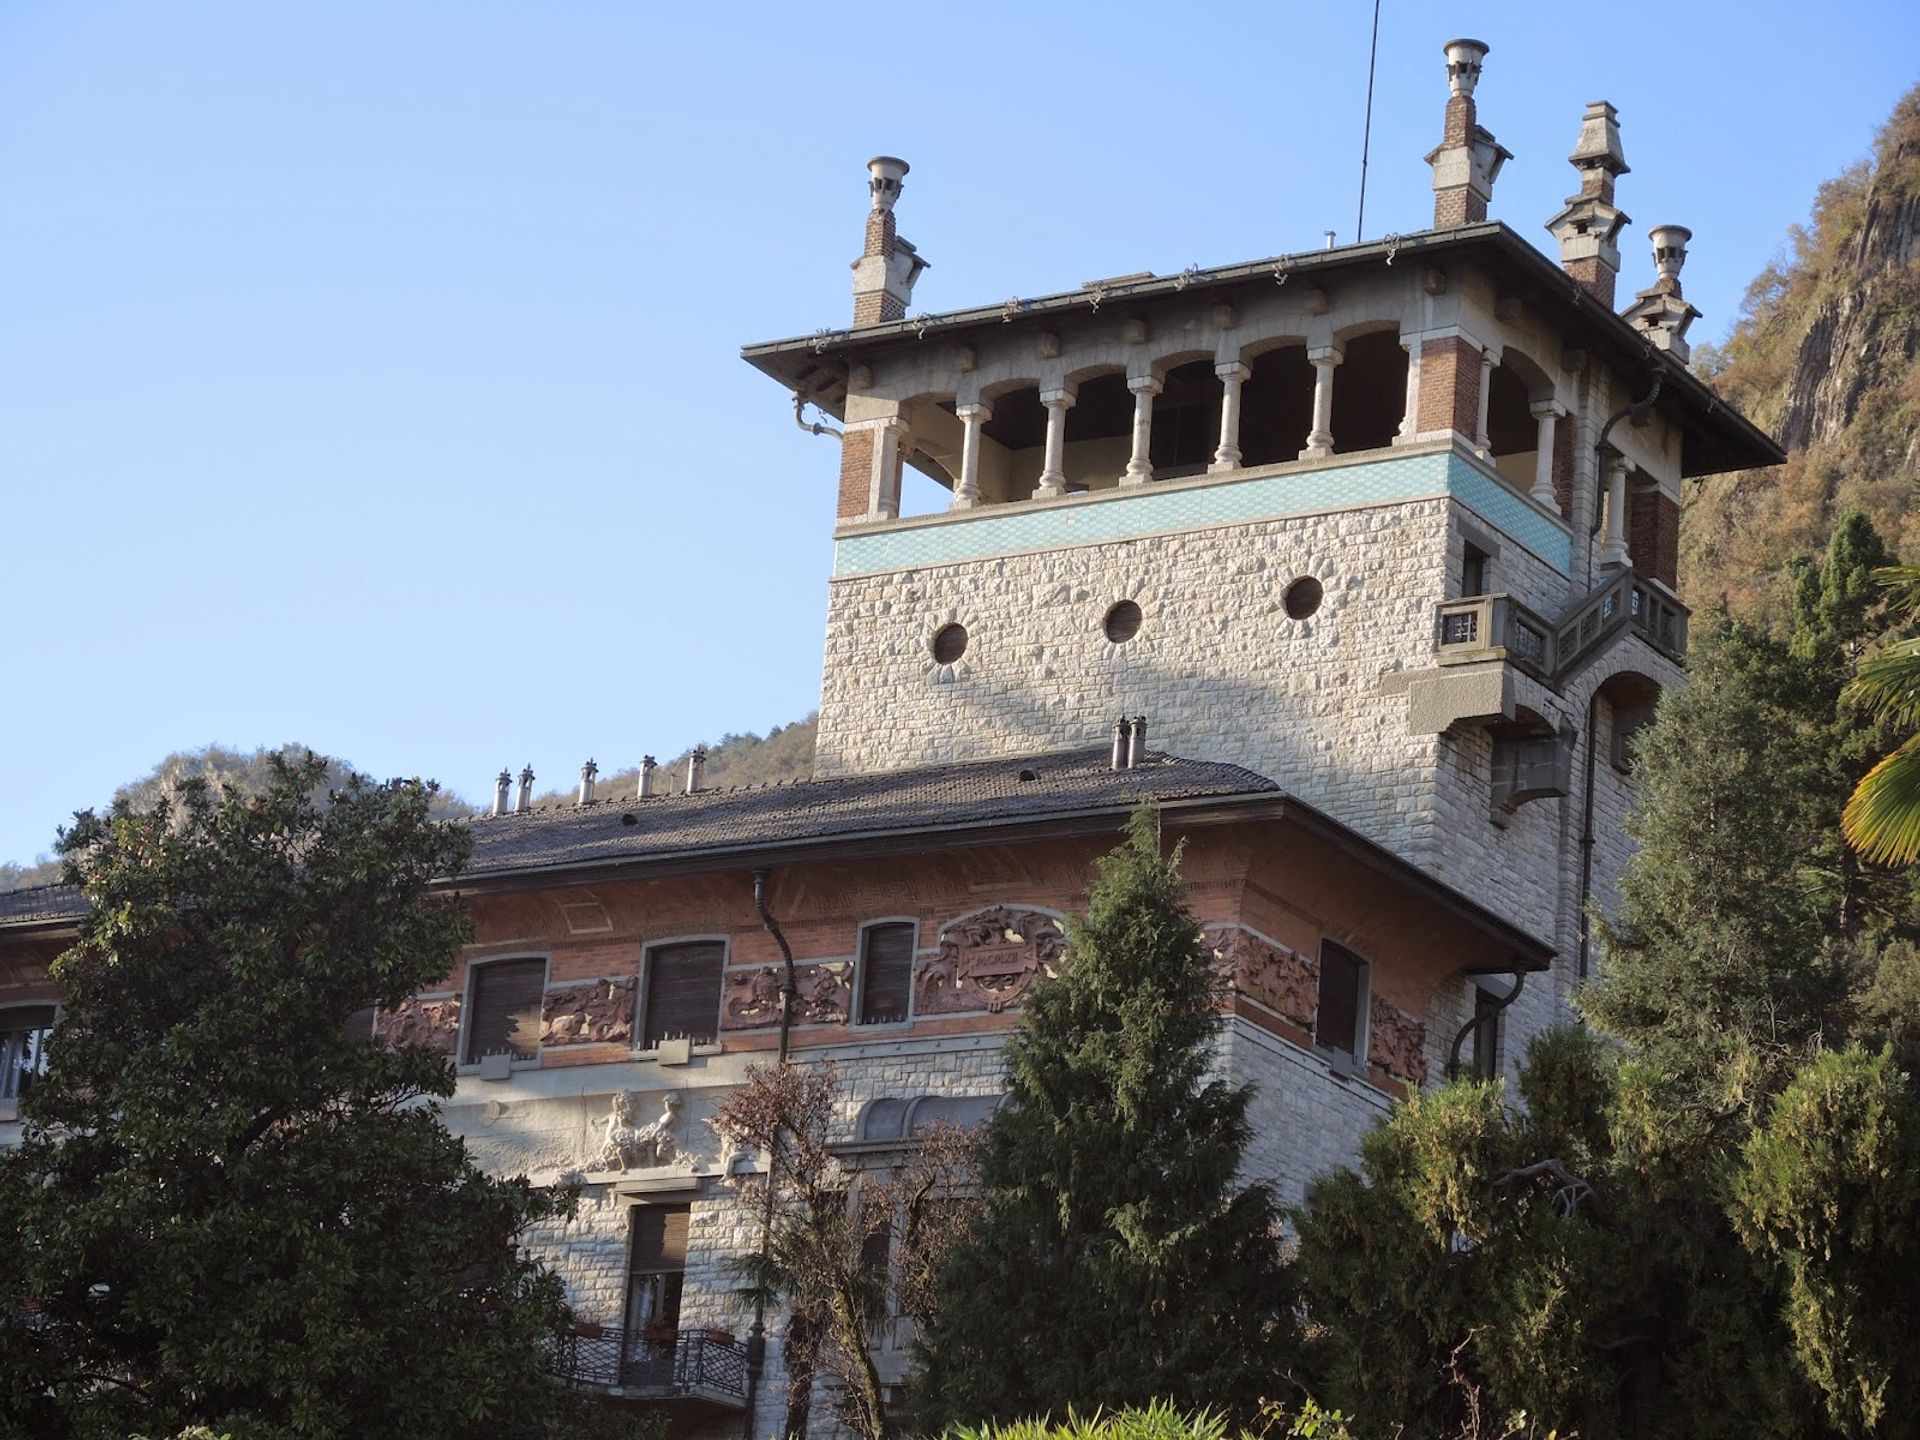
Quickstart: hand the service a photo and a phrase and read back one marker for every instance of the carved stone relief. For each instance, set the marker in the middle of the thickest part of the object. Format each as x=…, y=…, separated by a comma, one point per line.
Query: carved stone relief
x=625, y=1144
x=433, y=1023
x=1283, y=980
x=751, y=998
x=599, y=1013
x=1397, y=1043
x=988, y=961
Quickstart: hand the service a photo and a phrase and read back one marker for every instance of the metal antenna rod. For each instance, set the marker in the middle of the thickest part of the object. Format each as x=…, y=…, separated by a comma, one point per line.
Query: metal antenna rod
x=1366, y=133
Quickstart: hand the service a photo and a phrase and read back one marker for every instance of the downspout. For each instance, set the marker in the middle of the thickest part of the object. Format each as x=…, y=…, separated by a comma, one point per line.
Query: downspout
x=1634, y=408
x=815, y=427
x=1453, y=1060
x=789, y=988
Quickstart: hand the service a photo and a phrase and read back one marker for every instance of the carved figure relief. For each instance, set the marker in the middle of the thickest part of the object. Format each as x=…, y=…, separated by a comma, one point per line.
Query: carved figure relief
x=988, y=961
x=751, y=998
x=625, y=1144
x=600, y=1013
x=1283, y=980
x=1397, y=1042
x=433, y=1023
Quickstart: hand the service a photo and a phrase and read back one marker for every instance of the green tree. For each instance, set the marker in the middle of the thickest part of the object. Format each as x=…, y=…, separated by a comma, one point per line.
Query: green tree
x=1882, y=819
x=228, y=1209
x=1118, y=1259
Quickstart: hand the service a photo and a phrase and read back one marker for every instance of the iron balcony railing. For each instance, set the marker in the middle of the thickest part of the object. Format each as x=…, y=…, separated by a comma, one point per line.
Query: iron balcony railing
x=694, y=1363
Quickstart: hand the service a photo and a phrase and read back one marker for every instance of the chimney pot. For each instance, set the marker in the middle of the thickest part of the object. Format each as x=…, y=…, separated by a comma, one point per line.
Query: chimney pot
x=1669, y=252
x=1467, y=160
x=647, y=767
x=588, y=772
x=885, y=174
x=1137, y=742
x=1120, y=731
x=501, y=785
x=524, y=802
x=884, y=275
x=696, y=769
x=1464, y=58
x=1589, y=226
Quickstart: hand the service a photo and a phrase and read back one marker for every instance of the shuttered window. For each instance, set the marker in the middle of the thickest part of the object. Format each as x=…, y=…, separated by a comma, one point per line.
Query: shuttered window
x=1343, y=978
x=683, y=992
x=23, y=1048
x=886, y=973
x=504, y=1011
x=656, y=1267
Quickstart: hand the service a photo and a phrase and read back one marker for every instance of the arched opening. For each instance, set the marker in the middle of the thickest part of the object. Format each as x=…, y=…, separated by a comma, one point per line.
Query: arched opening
x=931, y=467
x=1369, y=392
x=1186, y=421
x=1631, y=700
x=1276, y=407
x=1099, y=433
x=1513, y=431
x=1012, y=445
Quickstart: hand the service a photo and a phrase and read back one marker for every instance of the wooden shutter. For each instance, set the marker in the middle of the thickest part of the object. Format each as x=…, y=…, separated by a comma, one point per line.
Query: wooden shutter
x=886, y=973
x=659, y=1238
x=505, y=1013
x=683, y=992
x=1337, y=1026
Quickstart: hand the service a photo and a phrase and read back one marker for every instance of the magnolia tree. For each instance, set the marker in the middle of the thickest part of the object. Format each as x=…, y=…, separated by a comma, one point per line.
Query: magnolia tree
x=845, y=1244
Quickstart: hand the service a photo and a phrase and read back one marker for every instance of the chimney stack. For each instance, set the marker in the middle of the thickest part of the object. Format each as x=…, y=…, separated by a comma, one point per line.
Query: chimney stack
x=525, y=801
x=1468, y=159
x=883, y=276
x=647, y=766
x=696, y=769
x=1588, y=229
x=1137, y=742
x=1120, y=730
x=501, y=785
x=588, y=773
x=1660, y=312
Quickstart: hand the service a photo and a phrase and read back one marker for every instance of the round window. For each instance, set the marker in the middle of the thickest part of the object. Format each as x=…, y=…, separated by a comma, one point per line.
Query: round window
x=1303, y=597
x=1122, y=622
x=949, y=643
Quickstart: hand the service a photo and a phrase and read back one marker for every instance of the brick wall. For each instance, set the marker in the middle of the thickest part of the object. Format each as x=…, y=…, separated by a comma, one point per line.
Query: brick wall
x=856, y=474
x=1449, y=386
x=1653, y=536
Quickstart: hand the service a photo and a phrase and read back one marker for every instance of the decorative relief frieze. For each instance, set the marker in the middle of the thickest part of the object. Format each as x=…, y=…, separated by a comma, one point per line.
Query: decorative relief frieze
x=1397, y=1042
x=988, y=961
x=434, y=1023
x=597, y=1013
x=1282, y=979
x=751, y=998
x=625, y=1143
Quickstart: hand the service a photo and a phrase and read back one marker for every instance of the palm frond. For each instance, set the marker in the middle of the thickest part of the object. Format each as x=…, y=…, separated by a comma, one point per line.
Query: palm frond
x=1882, y=818
x=1888, y=684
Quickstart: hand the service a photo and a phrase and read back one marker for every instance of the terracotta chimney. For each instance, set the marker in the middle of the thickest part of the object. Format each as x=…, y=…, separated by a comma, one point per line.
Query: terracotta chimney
x=696, y=769
x=524, y=802
x=1588, y=228
x=647, y=766
x=501, y=785
x=588, y=773
x=1660, y=312
x=1468, y=159
x=883, y=276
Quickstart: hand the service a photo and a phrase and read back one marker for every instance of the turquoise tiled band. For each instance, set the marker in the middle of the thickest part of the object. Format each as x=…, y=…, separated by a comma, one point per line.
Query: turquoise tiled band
x=1150, y=510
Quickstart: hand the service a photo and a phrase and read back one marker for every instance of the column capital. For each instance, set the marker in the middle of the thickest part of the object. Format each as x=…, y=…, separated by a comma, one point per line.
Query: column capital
x=1145, y=384
x=1326, y=355
x=1063, y=395
x=1541, y=409
x=1233, y=370
x=980, y=410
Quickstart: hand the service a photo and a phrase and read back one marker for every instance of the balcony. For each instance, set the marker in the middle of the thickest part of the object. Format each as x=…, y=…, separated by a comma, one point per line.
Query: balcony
x=700, y=1366
x=1478, y=628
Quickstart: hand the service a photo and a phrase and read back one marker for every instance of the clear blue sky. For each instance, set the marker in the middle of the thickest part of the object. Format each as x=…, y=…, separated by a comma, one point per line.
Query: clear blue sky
x=369, y=375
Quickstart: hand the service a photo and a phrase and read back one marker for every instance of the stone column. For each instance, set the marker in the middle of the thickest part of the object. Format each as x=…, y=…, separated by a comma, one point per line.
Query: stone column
x=1140, y=463
x=1482, y=442
x=1545, y=414
x=1053, y=475
x=1614, y=551
x=883, y=494
x=1232, y=377
x=1410, y=421
x=966, y=494
x=1320, y=440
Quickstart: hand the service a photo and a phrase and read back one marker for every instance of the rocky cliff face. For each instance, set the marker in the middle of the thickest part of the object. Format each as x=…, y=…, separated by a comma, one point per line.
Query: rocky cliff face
x=1827, y=356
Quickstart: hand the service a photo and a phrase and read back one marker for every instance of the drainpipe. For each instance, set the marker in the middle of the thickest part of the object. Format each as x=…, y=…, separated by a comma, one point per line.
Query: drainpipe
x=1586, y=831
x=789, y=988
x=1453, y=1060
x=1634, y=408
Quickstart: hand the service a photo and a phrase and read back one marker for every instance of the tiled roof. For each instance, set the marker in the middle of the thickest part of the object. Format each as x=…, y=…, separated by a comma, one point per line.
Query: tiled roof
x=901, y=802
x=40, y=902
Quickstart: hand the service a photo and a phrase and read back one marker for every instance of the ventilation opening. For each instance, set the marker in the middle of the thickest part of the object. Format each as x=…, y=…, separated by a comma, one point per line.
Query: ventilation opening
x=1303, y=597
x=1029, y=775
x=949, y=644
x=1122, y=622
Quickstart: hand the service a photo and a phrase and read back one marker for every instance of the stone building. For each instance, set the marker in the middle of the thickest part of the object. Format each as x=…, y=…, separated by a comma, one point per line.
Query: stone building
x=1377, y=543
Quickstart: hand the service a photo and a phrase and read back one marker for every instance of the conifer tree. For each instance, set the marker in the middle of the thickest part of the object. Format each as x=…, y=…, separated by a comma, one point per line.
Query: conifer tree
x=1117, y=1259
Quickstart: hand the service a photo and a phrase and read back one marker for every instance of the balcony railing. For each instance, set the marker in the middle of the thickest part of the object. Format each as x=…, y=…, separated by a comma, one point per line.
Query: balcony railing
x=696, y=1364
x=1498, y=627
